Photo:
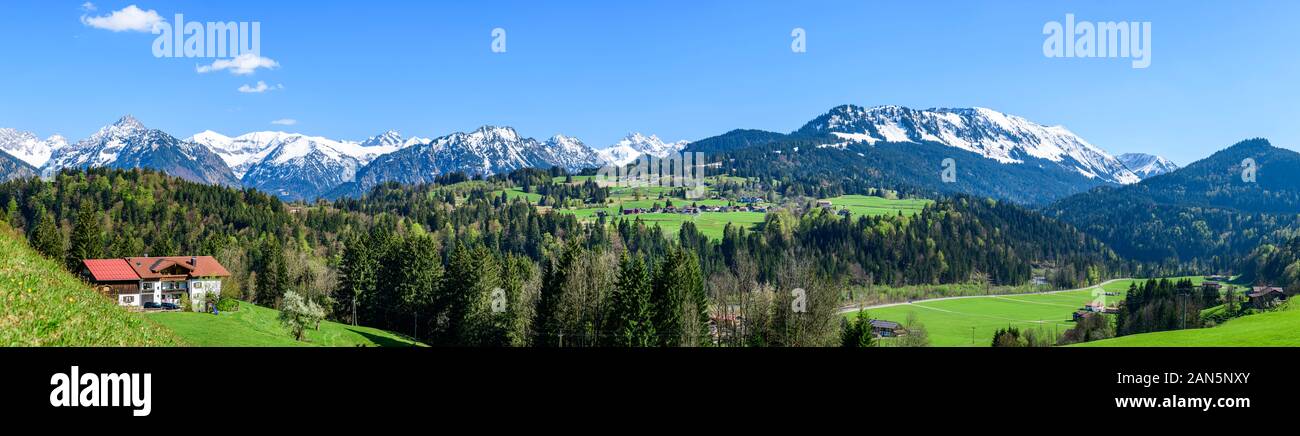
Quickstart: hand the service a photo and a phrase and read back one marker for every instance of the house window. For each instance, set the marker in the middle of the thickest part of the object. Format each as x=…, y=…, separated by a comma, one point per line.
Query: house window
x=126, y=300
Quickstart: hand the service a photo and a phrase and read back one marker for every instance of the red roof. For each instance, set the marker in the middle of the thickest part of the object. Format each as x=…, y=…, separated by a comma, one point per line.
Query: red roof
x=110, y=270
x=194, y=266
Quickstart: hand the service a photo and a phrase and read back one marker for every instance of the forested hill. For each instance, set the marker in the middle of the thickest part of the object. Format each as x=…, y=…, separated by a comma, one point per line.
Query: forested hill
x=1274, y=265
x=993, y=154
x=1205, y=216
x=425, y=259
x=955, y=240
x=909, y=168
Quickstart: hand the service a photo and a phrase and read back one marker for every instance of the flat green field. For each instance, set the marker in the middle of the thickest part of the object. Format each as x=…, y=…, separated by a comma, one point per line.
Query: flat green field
x=256, y=326
x=1280, y=328
x=514, y=193
x=971, y=321
x=863, y=205
x=711, y=224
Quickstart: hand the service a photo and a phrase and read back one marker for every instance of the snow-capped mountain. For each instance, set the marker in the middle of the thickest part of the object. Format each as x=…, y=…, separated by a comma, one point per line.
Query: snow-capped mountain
x=294, y=165
x=29, y=148
x=567, y=152
x=1146, y=165
x=129, y=144
x=994, y=135
x=487, y=150
x=14, y=168
x=302, y=167
x=634, y=145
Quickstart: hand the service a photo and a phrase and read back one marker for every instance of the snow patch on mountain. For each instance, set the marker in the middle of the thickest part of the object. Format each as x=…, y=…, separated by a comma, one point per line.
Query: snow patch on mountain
x=634, y=145
x=129, y=144
x=246, y=151
x=29, y=148
x=1005, y=138
x=1147, y=165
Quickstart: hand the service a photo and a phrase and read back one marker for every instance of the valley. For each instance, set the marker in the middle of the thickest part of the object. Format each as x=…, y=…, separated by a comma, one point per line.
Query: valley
x=845, y=208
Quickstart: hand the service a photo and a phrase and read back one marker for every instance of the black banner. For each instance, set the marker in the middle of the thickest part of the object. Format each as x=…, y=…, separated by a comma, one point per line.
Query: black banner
x=461, y=384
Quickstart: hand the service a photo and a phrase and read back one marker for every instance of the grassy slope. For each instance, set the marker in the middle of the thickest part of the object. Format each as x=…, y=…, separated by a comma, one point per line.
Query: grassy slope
x=42, y=305
x=950, y=322
x=711, y=224
x=1280, y=328
x=256, y=326
x=860, y=205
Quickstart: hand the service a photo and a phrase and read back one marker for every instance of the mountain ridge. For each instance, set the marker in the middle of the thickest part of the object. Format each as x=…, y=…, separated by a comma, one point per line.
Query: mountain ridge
x=127, y=144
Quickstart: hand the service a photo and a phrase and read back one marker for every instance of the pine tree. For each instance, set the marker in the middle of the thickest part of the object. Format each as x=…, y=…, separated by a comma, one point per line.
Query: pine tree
x=46, y=237
x=681, y=310
x=633, y=313
x=125, y=243
x=163, y=245
x=417, y=281
x=548, y=327
x=87, y=240
x=472, y=276
x=358, y=271
x=273, y=276
x=857, y=334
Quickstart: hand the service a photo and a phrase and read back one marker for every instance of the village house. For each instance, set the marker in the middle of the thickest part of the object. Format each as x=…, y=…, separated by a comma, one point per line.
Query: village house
x=886, y=329
x=137, y=281
x=1262, y=297
x=1097, y=307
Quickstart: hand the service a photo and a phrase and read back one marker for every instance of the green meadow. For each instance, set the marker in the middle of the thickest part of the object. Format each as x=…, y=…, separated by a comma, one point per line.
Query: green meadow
x=256, y=326
x=711, y=224
x=971, y=321
x=864, y=205
x=1277, y=328
x=41, y=304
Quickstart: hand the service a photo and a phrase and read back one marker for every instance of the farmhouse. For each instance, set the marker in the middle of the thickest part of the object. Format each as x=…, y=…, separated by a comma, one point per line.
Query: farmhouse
x=1264, y=296
x=886, y=329
x=134, y=281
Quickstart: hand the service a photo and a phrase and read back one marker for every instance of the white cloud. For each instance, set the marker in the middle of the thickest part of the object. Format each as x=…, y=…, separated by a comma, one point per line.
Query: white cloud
x=88, y=7
x=259, y=88
x=243, y=64
x=285, y=122
x=129, y=19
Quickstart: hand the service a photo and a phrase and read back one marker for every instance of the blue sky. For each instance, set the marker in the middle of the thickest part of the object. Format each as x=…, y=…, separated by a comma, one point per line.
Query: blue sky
x=1220, y=71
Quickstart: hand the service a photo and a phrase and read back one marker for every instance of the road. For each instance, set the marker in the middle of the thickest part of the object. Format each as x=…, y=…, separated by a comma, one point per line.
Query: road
x=851, y=309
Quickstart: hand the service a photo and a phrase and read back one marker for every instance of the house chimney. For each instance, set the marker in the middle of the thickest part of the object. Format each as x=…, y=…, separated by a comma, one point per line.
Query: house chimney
x=194, y=261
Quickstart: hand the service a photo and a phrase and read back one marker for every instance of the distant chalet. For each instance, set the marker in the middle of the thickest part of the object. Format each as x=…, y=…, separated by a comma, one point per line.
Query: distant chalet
x=134, y=281
x=1262, y=297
